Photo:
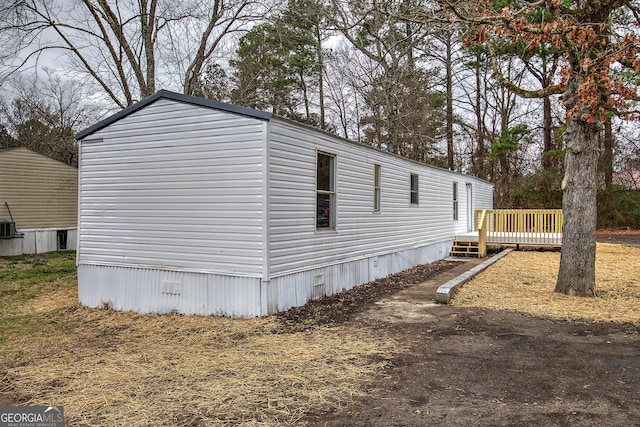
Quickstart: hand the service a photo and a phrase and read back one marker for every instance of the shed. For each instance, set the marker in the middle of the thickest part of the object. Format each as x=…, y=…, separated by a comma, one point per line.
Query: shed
x=206, y=208
x=38, y=203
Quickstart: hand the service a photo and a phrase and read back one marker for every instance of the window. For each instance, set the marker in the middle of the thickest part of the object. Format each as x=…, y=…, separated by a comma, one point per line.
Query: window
x=376, y=187
x=325, y=192
x=414, y=189
x=455, y=201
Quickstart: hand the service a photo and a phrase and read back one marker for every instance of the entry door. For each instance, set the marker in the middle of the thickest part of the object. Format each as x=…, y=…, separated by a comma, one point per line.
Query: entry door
x=469, y=207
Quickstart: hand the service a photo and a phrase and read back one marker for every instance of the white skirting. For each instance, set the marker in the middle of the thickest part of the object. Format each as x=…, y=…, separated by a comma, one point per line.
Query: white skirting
x=154, y=290
x=37, y=241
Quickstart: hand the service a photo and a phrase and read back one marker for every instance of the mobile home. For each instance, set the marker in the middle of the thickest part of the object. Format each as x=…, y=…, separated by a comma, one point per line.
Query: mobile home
x=205, y=208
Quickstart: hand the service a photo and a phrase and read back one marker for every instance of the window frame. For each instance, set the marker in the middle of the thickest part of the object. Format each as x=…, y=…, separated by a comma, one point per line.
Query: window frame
x=377, y=178
x=414, y=193
x=331, y=192
x=455, y=201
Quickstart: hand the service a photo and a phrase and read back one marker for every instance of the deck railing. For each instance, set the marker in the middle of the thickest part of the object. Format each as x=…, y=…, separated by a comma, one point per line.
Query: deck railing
x=518, y=226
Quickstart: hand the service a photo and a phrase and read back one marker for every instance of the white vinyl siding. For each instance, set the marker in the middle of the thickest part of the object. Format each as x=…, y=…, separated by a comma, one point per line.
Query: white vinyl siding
x=482, y=195
x=360, y=232
x=174, y=186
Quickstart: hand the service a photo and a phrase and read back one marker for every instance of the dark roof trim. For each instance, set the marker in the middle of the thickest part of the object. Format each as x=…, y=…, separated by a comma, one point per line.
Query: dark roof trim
x=379, y=150
x=187, y=99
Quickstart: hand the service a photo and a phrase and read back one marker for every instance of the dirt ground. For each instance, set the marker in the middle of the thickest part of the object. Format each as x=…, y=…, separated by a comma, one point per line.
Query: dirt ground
x=476, y=367
x=621, y=236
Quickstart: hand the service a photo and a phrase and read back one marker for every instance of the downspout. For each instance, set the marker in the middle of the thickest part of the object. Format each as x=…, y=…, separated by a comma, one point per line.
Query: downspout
x=9, y=210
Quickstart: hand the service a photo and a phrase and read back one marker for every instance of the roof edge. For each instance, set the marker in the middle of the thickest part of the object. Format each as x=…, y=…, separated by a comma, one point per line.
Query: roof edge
x=379, y=150
x=178, y=97
x=21, y=147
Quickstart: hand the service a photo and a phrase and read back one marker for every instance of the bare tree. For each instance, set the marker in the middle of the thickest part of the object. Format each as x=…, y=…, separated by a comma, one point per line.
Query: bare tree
x=46, y=113
x=118, y=43
x=404, y=109
x=344, y=90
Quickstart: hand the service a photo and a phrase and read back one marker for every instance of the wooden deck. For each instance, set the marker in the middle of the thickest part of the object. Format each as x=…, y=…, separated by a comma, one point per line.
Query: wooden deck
x=534, y=227
x=515, y=238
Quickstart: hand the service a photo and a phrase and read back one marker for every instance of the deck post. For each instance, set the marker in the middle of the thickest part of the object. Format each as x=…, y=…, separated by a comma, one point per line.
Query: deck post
x=482, y=233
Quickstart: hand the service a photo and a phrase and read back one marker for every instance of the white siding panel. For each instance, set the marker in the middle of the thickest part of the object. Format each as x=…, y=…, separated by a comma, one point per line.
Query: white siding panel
x=482, y=196
x=177, y=186
x=149, y=290
x=295, y=245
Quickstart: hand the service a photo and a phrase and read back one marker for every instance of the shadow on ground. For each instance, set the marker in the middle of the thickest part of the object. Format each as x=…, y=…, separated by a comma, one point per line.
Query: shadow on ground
x=474, y=367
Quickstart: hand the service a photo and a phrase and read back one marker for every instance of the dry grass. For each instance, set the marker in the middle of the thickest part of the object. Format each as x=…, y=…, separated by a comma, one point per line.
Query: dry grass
x=63, y=298
x=135, y=370
x=111, y=368
x=524, y=282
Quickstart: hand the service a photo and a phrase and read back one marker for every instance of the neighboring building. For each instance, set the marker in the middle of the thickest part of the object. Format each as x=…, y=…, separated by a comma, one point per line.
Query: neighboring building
x=206, y=208
x=38, y=203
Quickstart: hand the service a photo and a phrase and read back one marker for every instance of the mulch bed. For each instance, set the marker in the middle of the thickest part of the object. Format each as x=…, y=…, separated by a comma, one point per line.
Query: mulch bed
x=341, y=307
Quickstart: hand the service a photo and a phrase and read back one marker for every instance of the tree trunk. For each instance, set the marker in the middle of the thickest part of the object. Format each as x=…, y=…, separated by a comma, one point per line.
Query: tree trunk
x=320, y=59
x=148, y=30
x=548, y=161
x=479, y=158
x=577, y=258
x=606, y=158
x=449, y=113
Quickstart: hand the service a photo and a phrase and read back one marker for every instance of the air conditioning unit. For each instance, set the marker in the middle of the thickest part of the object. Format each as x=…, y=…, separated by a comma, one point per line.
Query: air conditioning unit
x=7, y=230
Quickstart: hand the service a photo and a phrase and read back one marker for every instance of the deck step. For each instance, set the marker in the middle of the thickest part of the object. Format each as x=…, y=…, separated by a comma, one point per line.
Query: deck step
x=464, y=248
x=465, y=243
